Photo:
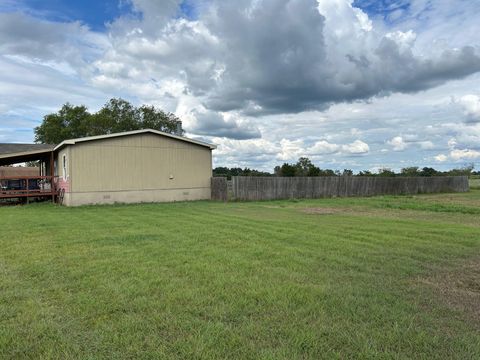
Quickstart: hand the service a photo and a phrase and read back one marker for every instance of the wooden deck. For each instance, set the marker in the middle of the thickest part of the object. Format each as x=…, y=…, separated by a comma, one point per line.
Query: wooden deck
x=28, y=187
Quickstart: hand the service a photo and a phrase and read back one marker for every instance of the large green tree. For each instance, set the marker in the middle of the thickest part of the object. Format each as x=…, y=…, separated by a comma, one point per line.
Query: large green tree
x=117, y=115
x=68, y=123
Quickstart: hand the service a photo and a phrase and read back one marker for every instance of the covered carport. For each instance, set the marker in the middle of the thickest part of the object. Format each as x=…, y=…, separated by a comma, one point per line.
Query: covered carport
x=27, y=187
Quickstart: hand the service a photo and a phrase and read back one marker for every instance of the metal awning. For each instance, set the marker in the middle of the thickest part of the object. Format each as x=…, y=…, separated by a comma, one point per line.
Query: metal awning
x=19, y=153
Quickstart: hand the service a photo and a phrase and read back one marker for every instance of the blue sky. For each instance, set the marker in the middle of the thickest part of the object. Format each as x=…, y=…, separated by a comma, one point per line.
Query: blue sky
x=93, y=13
x=357, y=84
x=381, y=7
x=96, y=14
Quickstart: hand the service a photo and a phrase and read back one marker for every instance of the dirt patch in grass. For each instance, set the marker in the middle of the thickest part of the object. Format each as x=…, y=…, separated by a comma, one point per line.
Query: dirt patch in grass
x=442, y=218
x=323, y=211
x=459, y=289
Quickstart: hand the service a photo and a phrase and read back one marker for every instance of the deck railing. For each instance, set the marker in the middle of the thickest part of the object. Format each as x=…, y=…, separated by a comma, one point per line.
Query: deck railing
x=27, y=187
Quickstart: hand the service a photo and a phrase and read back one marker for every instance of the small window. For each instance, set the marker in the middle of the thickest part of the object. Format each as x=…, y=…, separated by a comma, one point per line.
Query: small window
x=64, y=162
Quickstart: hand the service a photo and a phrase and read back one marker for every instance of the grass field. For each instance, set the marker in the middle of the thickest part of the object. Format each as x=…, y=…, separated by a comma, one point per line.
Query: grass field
x=383, y=277
x=475, y=182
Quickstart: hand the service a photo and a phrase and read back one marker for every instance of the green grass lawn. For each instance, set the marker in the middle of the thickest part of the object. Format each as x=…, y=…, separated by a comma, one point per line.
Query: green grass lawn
x=475, y=181
x=382, y=277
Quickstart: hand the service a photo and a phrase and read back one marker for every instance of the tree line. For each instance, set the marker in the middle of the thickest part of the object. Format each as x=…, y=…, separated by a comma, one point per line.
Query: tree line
x=117, y=115
x=305, y=167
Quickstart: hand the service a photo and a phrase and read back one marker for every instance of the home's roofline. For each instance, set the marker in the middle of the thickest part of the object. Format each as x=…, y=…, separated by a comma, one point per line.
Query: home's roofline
x=25, y=153
x=135, y=132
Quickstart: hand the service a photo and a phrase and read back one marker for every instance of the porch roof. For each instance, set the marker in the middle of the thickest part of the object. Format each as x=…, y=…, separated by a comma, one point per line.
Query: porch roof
x=17, y=153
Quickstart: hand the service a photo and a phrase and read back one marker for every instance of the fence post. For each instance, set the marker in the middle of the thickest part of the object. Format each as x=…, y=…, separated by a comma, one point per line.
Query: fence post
x=28, y=191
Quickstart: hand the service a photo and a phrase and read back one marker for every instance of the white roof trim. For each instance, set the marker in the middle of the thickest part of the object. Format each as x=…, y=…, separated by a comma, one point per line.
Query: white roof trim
x=135, y=132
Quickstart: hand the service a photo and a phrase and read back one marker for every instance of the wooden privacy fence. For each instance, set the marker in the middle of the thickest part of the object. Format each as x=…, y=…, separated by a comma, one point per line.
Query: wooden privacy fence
x=272, y=188
x=219, y=189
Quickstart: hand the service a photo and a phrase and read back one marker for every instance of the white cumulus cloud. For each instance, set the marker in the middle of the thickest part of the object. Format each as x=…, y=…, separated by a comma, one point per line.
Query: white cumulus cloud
x=397, y=143
x=441, y=158
x=356, y=148
x=464, y=154
x=471, y=106
x=323, y=147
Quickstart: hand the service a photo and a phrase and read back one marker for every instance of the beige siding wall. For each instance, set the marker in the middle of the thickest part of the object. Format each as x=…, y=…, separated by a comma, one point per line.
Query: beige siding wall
x=59, y=163
x=135, y=196
x=138, y=168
